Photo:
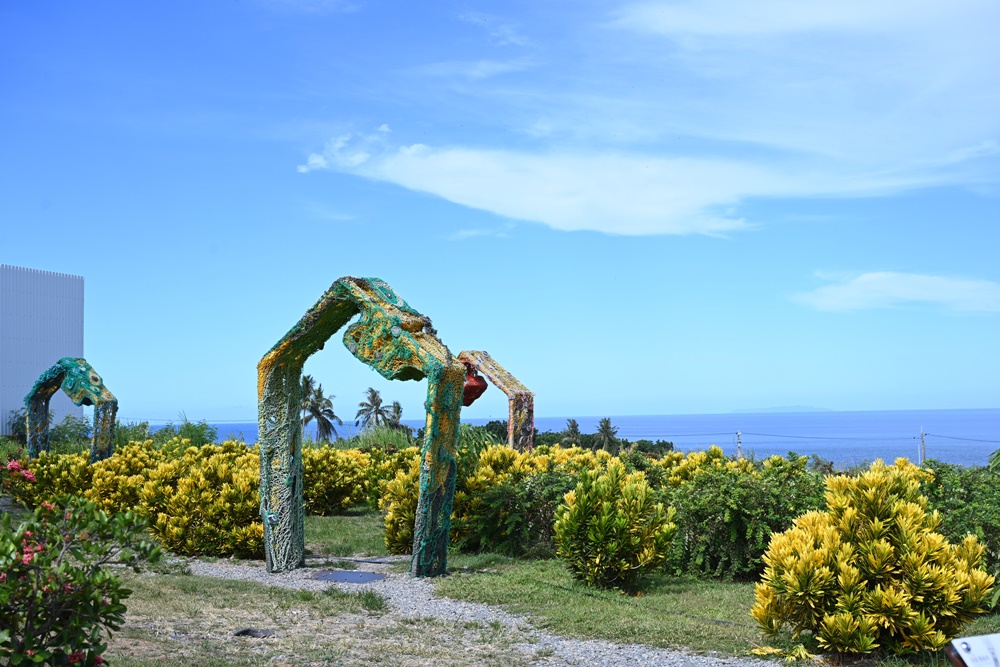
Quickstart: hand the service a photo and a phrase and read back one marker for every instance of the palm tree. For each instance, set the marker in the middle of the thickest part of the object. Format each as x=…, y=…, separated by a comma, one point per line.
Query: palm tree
x=572, y=432
x=370, y=411
x=319, y=407
x=606, y=436
x=394, y=416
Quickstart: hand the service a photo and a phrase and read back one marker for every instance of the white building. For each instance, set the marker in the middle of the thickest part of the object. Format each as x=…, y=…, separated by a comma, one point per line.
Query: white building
x=41, y=321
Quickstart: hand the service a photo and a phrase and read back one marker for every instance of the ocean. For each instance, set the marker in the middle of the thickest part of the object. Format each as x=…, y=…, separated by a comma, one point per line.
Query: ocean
x=964, y=437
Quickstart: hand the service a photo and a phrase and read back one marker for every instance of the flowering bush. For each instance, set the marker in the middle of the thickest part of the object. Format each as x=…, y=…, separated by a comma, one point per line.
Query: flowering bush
x=55, y=595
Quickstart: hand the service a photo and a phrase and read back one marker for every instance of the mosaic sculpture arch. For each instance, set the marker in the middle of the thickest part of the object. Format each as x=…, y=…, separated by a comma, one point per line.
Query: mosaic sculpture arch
x=399, y=343
x=84, y=387
x=521, y=402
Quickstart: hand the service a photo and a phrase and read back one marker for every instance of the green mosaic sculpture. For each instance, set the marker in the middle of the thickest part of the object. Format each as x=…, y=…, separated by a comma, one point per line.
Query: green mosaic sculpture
x=400, y=344
x=521, y=402
x=84, y=387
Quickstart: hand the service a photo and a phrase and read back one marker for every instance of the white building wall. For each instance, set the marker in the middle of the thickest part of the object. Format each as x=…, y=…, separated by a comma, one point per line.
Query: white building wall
x=41, y=321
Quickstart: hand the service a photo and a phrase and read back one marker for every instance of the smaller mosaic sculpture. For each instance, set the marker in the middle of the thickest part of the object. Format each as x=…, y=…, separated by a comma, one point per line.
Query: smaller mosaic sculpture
x=521, y=419
x=84, y=387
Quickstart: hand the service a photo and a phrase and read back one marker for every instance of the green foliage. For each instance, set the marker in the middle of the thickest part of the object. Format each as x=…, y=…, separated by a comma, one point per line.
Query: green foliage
x=514, y=518
x=131, y=432
x=72, y=430
x=726, y=516
x=56, y=595
x=968, y=501
x=196, y=433
x=17, y=426
x=871, y=572
x=610, y=531
x=658, y=448
x=498, y=428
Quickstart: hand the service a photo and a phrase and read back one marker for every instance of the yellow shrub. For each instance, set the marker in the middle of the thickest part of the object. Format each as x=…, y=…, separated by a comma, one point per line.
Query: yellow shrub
x=610, y=531
x=334, y=479
x=695, y=462
x=55, y=475
x=399, y=507
x=871, y=571
x=207, y=502
x=117, y=481
x=384, y=467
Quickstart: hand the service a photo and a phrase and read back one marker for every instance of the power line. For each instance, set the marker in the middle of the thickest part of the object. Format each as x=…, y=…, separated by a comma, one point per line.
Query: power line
x=952, y=437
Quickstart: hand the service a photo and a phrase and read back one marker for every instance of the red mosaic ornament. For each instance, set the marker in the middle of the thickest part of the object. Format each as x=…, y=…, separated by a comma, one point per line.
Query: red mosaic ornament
x=475, y=385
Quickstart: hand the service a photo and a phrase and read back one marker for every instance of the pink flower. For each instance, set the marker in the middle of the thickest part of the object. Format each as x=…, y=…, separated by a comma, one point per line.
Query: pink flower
x=48, y=506
x=13, y=465
x=76, y=657
x=26, y=559
x=29, y=652
x=98, y=660
x=28, y=475
x=28, y=533
x=3, y=577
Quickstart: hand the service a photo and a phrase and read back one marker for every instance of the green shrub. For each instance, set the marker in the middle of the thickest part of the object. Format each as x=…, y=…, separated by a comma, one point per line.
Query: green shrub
x=871, y=572
x=726, y=516
x=610, y=531
x=71, y=434
x=514, y=518
x=56, y=597
x=968, y=502
x=196, y=433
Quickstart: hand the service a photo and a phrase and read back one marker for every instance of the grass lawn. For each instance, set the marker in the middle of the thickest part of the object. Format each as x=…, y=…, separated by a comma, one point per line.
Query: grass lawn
x=176, y=619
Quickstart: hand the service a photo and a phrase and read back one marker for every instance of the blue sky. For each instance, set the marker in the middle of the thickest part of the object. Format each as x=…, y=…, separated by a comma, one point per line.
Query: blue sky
x=637, y=208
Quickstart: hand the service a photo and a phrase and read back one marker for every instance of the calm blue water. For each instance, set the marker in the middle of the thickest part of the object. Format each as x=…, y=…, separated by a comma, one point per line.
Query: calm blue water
x=965, y=437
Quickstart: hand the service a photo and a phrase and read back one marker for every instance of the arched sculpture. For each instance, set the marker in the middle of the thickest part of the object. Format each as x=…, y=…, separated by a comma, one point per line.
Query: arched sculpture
x=84, y=387
x=400, y=344
x=521, y=418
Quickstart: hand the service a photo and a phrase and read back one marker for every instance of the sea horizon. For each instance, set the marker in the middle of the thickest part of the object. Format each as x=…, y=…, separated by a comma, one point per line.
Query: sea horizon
x=964, y=436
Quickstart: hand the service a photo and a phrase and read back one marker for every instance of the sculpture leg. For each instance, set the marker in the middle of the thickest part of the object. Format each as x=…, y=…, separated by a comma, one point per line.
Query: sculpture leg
x=37, y=418
x=280, y=442
x=521, y=423
x=103, y=444
x=438, y=470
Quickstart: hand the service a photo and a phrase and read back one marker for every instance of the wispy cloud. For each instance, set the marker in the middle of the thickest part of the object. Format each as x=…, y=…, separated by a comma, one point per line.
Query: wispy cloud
x=498, y=233
x=473, y=69
x=666, y=117
x=502, y=33
x=888, y=289
x=613, y=192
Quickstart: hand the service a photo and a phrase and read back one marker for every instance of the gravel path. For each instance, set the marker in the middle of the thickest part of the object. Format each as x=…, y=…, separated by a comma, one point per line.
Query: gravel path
x=414, y=598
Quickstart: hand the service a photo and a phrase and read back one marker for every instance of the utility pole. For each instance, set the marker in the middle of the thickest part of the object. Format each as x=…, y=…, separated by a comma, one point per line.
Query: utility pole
x=923, y=446
x=739, y=445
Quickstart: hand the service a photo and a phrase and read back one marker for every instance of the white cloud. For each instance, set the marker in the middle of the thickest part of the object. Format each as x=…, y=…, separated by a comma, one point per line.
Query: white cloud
x=667, y=116
x=463, y=234
x=502, y=33
x=887, y=289
x=611, y=192
x=472, y=70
